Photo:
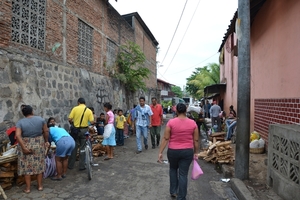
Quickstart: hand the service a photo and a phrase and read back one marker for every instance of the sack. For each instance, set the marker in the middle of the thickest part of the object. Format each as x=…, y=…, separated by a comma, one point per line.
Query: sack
x=197, y=171
x=50, y=169
x=74, y=132
x=107, y=130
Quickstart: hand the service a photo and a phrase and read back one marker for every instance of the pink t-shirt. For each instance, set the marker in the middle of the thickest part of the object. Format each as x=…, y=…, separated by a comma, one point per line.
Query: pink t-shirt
x=182, y=132
x=111, y=117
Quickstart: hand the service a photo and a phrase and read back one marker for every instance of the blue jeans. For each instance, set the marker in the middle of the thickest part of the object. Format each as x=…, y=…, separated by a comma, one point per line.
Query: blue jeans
x=119, y=137
x=180, y=161
x=141, y=130
x=230, y=127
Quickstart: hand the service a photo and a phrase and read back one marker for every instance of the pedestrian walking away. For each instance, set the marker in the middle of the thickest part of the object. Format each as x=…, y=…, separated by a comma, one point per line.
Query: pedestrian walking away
x=182, y=135
x=157, y=121
x=79, y=118
x=215, y=111
x=142, y=118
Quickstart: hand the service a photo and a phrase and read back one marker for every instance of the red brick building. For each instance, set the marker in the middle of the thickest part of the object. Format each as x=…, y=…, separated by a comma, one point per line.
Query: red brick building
x=88, y=33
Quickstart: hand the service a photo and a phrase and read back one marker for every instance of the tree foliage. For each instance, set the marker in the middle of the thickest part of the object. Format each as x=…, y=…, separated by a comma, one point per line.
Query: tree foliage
x=177, y=91
x=203, y=77
x=131, y=71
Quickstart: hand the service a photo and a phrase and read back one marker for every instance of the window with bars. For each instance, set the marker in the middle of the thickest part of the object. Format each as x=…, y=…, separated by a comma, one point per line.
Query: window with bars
x=111, y=53
x=85, y=43
x=28, y=22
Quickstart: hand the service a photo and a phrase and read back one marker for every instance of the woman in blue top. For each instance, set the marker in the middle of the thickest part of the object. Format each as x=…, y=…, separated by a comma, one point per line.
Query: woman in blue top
x=64, y=147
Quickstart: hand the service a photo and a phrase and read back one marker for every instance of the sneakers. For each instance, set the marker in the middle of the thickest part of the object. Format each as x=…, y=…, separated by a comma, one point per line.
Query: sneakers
x=153, y=147
x=138, y=152
x=146, y=146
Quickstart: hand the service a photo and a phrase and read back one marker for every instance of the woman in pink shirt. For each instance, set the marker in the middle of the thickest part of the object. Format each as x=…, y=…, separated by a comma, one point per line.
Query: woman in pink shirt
x=182, y=135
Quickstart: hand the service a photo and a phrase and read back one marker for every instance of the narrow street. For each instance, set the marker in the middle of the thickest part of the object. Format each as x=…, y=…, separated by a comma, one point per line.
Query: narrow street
x=126, y=177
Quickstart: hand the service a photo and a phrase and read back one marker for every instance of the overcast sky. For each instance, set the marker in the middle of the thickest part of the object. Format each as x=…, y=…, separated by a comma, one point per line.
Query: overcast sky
x=200, y=32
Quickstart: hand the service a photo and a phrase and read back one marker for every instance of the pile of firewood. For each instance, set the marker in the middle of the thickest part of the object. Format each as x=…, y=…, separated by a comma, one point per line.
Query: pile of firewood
x=8, y=172
x=219, y=152
x=97, y=148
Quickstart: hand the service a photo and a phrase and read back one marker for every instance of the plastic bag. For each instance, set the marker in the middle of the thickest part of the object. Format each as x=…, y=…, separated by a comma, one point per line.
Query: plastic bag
x=254, y=144
x=107, y=130
x=196, y=171
x=50, y=169
x=261, y=143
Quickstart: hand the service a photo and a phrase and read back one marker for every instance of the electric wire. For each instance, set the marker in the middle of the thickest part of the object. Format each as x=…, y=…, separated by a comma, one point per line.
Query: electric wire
x=183, y=37
x=175, y=31
x=163, y=76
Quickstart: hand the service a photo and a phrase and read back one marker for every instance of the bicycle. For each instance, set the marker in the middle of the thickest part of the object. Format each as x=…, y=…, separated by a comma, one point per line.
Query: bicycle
x=88, y=156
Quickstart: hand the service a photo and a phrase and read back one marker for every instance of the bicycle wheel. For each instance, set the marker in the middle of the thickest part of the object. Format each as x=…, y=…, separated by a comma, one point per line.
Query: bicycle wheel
x=88, y=162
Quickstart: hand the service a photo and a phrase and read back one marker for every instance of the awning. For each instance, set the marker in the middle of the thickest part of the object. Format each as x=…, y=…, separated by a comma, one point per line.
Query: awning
x=215, y=88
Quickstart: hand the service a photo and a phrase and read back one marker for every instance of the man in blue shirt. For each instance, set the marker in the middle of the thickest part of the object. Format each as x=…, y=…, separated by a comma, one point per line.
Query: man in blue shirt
x=142, y=120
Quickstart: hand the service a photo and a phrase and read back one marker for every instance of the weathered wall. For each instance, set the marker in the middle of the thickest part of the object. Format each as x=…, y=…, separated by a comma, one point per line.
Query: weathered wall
x=53, y=81
x=51, y=89
x=275, y=48
x=229, y=74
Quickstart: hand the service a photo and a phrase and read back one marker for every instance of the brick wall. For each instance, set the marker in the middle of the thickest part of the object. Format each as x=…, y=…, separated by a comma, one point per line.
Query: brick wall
x=5, y=23
x=106, y=22
x=275, y=111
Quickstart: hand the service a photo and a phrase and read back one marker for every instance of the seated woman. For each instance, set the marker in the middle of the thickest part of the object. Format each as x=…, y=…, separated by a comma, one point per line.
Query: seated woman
x=230, y=122
x=64, y=147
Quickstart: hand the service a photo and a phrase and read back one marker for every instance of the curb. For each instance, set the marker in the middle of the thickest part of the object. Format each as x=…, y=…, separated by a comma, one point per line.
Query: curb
x=237, y=185
x=240, y=190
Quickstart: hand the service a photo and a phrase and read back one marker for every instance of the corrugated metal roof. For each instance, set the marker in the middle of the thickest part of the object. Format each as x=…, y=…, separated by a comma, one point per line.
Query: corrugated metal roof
x=255, y=6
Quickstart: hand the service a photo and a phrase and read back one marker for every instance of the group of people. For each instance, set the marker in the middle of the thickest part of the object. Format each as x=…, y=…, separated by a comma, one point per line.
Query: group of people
x=215, y=113
x=34, y=134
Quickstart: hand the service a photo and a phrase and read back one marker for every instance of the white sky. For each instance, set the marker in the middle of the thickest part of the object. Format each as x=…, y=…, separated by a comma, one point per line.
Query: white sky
x=201, y=41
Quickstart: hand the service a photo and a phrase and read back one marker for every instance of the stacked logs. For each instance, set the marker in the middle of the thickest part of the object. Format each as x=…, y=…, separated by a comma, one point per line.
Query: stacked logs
x=8, y=172
x=219, y=152
x=97, y=148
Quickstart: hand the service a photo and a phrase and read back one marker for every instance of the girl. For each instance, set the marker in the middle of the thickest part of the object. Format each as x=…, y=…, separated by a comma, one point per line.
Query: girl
x=109, y=142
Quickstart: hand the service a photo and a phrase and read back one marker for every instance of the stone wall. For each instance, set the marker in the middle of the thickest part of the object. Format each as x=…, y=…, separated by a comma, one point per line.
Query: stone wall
x=52, y=80
x=53, y=89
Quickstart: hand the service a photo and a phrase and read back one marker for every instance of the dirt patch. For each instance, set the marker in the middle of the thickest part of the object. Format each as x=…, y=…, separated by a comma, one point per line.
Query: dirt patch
x=257, y=183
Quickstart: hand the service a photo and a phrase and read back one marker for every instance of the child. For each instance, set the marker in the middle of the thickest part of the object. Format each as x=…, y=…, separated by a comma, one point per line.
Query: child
x=109, y=142
x=120, y=121
x=100, y=124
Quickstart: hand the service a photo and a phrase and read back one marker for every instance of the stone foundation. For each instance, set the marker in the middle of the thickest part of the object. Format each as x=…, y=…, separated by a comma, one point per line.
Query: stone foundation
x=53, y=89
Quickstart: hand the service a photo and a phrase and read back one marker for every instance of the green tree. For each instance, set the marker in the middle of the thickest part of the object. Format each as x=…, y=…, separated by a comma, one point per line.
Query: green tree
x=131, y=71
x=177, y=91
x=191, y=88
x=208, y=75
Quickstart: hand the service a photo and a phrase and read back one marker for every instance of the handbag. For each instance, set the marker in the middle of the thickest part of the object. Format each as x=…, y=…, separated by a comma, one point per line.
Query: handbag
x=196, y=171
x=73, y=130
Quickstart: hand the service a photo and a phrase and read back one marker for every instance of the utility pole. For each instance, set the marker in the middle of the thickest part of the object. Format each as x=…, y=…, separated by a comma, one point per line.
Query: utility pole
x=243, y=103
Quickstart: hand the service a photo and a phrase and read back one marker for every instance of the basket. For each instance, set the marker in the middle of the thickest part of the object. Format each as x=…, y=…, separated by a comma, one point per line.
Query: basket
x=257, y=150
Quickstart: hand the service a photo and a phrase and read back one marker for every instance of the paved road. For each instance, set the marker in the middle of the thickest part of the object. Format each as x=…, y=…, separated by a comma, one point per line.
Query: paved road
x=127, y=177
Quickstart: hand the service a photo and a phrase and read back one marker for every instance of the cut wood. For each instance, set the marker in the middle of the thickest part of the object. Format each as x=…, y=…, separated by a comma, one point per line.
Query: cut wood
x=7, y=174
x=202, y=154
x=218, y=134
x=223, y=143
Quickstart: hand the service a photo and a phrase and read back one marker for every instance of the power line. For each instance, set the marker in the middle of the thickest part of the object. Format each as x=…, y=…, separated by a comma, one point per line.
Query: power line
x=162, y=76
x=175, y=31
x=183, y=36
x=194, y=65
